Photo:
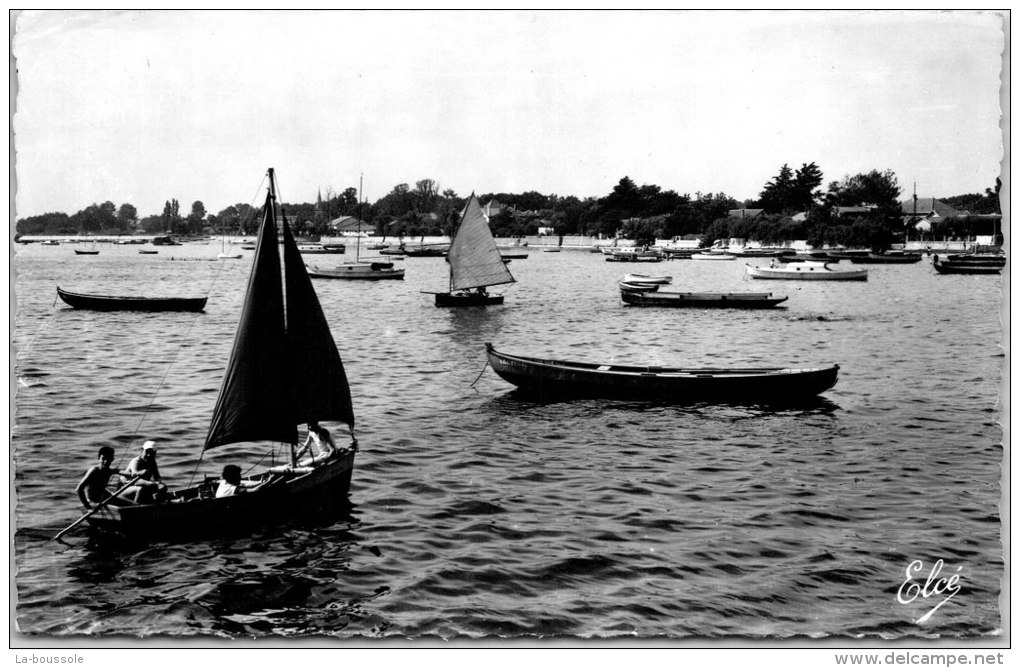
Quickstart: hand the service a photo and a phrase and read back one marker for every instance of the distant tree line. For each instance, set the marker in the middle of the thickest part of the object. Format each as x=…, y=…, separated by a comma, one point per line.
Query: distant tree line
x=861, y=210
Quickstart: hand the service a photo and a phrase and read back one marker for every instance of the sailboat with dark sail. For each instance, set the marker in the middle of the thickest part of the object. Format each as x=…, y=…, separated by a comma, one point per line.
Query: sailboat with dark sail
x=284, y=371
x=475, y=262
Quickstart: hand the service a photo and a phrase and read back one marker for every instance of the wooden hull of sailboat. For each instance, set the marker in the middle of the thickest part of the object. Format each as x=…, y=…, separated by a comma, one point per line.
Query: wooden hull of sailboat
x=195, y=513
x=732, y=300
x=557, y=378
x=453, y=299
x=115, y=303
x=86, y=252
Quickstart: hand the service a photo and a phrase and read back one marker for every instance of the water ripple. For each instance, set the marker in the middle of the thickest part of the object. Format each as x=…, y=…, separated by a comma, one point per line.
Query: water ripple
x=480, y=512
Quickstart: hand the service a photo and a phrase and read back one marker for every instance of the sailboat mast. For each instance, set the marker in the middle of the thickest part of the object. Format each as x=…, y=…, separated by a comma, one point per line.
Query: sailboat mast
x=361, y=210
x=272, y=213
x=453, y=238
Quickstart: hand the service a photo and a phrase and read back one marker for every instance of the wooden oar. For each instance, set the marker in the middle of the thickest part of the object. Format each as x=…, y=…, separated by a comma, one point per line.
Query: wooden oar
x=99, y=506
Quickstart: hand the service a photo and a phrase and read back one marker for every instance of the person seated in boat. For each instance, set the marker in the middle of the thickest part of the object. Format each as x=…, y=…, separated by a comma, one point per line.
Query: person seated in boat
x=232, y=484
x=149, y=487
x=319, y=443
x=93, y=486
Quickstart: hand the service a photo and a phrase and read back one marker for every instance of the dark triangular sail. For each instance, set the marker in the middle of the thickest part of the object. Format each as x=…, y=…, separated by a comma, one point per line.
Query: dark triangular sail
x=474, y=259
x=320, y=390
x=253, y=397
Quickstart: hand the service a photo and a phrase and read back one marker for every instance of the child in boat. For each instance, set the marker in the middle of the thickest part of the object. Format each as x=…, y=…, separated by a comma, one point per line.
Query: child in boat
x=92, y=488
x=321, y=440
x=149, y=487
x=232, y=484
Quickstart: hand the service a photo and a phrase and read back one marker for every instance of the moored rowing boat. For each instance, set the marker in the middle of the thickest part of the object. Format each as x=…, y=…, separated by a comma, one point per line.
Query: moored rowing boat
x=735, y=300
x=560, y=378
x=127, y=303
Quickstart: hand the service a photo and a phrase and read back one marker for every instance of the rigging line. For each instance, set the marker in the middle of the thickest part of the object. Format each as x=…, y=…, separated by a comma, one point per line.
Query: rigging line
x=258, y=189
x=482, y=371
x=42, y=330
x=162, y=381
x=279, y=191
x=215, y=279
x=259, y=461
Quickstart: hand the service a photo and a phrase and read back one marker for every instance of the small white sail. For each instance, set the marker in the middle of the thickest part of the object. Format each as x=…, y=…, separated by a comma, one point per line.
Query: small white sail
x=474, y=259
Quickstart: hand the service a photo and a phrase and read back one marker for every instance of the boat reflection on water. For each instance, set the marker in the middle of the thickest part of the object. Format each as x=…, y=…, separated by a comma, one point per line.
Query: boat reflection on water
x=337, y=516
x=516, y=399
x=468, y=324
x=285, y=579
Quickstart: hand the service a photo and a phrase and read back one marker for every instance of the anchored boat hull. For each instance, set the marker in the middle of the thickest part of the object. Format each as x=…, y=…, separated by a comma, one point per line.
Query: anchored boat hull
x=560, y=378
x=114, y=303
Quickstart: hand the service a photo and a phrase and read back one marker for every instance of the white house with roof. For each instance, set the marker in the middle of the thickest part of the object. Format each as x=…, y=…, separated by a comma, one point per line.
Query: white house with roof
x=348, y=225
x=922, y=212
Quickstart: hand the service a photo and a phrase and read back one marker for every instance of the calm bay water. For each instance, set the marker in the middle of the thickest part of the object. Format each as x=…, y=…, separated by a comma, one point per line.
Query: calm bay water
x=479, y=513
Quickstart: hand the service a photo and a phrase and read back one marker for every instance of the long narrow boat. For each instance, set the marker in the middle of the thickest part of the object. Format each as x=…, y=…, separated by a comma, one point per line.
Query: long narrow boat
x=322, y=249
x=807, y=271
x=626, y=286
x=886, y=258
x=635, y=255
x=85, y=252
x=425, y=250
x=284, y=371
x=737, y=300
x=672, y=253
x=760, y=252
x=977, y=258
x=713, y=255
x=558, y=378
x=968, y=266
x=93, y=302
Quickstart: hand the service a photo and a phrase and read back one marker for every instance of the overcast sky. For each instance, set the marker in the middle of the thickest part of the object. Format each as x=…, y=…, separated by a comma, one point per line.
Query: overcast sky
x=142, y=107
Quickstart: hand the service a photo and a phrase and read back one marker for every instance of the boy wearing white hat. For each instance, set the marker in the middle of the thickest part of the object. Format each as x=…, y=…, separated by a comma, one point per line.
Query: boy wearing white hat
x=149, y=487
